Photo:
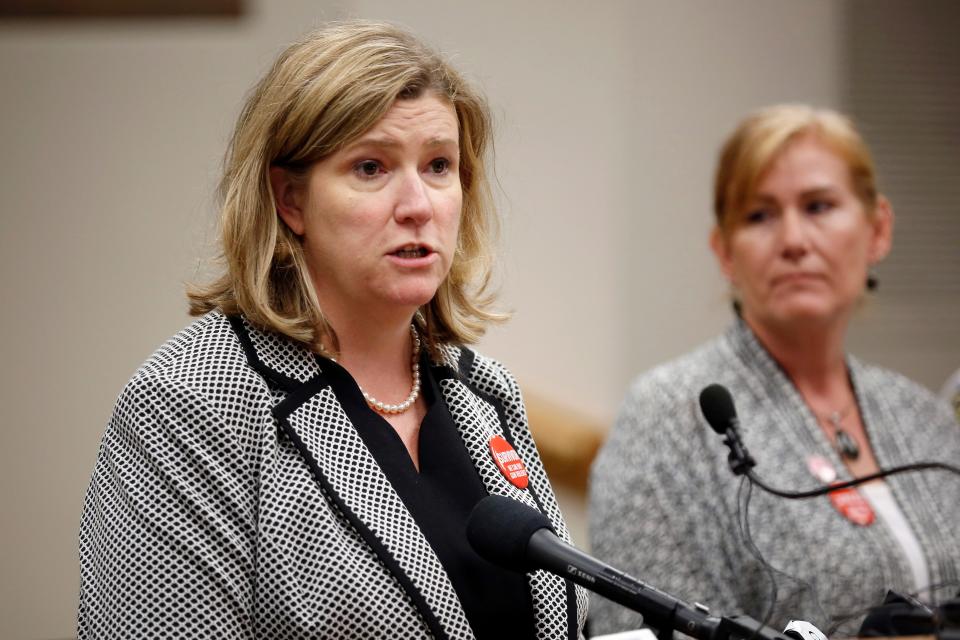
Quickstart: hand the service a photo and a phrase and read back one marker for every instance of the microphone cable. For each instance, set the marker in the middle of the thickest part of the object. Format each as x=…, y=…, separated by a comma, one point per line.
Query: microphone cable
x=932, y=589
x=743, y=526
x=744, y=496
x=837, y=486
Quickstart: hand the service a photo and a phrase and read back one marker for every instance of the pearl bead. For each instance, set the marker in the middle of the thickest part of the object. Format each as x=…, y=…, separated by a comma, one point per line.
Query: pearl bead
x=381, y=407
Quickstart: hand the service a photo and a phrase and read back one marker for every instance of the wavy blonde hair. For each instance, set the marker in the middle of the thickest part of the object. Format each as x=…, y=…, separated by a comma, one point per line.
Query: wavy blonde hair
x=321, y=93
x=764, y=134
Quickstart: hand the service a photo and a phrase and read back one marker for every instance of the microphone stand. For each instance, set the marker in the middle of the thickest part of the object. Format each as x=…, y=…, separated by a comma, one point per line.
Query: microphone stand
x=744, y=628
x=660, y=610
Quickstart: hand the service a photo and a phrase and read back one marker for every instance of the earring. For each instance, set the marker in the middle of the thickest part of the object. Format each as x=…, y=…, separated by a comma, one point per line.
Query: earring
x=872, y=282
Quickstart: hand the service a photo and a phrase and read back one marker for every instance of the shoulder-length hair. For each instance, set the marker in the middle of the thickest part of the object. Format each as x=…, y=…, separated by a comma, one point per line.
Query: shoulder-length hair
x=760, y=138
x=321, y=93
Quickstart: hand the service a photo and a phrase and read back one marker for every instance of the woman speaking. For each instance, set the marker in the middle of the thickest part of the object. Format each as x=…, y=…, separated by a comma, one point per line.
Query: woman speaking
x=799, y=224
x=301, y=460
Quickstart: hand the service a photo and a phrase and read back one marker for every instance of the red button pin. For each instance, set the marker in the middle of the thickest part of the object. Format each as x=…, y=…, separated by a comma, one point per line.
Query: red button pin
x=509, y=463
x=853, y=506
x=821, y=469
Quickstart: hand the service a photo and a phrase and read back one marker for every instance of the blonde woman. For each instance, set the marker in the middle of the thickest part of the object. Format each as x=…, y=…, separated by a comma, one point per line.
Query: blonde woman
x=300, y=461
x=799, y=223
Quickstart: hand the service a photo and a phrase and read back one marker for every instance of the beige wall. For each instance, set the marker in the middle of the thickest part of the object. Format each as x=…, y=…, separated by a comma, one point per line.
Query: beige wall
x=609, y=115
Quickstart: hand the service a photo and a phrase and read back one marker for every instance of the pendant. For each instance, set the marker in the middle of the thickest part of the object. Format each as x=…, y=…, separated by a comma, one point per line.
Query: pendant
x=847, y=446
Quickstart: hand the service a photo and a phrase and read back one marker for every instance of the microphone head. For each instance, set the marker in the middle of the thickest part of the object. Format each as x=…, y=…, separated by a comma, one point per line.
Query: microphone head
x=716, y=403
x=499, y=530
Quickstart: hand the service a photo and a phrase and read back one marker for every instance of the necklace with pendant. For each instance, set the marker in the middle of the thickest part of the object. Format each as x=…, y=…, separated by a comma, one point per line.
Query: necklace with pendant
x=844, y=443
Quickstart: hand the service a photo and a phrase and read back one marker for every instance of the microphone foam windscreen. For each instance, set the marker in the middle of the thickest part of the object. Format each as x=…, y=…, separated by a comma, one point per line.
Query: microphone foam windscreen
x=499, y=530
x=716, y=403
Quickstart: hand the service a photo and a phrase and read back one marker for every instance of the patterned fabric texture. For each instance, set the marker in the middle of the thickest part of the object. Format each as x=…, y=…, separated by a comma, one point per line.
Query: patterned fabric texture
x=664, y=501
x=233, y=498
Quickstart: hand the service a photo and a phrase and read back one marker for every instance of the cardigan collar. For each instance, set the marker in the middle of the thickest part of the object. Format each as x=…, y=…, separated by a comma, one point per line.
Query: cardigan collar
x=770, y=380
x=748, y=348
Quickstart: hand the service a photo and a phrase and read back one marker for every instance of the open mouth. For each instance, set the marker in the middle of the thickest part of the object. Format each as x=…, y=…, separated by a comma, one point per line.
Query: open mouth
x=411, y=251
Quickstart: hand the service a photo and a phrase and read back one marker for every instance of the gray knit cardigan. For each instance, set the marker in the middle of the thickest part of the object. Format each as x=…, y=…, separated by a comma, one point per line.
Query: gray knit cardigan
x=663, y=501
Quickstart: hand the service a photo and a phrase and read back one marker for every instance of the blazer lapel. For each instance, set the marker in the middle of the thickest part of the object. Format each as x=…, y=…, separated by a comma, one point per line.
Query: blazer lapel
x=479, y=418
x=349, y=477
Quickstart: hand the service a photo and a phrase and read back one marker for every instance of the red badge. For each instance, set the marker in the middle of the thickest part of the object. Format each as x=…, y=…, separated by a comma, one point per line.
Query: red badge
x=509, y=463
x=853, y=506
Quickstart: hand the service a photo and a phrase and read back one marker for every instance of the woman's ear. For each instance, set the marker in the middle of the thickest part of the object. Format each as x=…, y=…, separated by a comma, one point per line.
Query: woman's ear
x=719, y=244
x=882, y=223
x=288, y=199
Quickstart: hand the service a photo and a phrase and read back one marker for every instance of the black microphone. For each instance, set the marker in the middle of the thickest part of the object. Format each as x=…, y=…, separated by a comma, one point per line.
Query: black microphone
x=510, y=534
x=716, y=403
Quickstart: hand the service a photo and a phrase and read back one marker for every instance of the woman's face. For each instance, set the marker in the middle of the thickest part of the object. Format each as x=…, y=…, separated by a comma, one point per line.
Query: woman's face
x=379, y=218
x=798, y=254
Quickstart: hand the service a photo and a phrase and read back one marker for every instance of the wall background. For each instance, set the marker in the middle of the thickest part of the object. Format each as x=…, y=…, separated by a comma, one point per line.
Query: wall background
x=609, y=117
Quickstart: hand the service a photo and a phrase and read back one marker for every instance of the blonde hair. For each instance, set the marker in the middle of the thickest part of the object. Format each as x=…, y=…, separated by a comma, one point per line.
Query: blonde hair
x=763, y=135
x=321, y=93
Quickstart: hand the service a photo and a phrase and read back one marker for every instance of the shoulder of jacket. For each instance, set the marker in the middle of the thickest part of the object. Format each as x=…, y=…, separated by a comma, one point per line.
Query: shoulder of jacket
x=900, y=392
x=888, y=379
x=677, y=380
x=490, y=374
x=204, y=357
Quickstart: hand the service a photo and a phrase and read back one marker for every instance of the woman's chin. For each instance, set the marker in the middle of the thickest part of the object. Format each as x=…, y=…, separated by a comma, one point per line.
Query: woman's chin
x=411, y=297
x=804, y=316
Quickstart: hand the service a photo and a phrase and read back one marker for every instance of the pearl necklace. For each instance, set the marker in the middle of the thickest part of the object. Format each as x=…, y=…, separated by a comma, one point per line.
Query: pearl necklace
x=400, y=407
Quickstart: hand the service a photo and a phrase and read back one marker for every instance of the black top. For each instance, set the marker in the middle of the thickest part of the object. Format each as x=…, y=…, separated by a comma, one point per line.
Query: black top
x=440, y=497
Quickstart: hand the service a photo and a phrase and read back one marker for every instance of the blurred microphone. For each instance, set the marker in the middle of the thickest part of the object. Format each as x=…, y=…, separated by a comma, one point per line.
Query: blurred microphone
x=716, y=403
x=512, y=535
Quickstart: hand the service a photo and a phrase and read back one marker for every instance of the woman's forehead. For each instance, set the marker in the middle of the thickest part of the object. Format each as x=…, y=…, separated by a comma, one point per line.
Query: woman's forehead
x=427, y=120
x=804, y=164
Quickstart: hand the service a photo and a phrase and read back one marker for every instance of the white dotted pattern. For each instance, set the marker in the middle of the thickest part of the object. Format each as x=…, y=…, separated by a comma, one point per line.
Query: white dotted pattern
x=355, y=476
x=203, y=520
x=469, y=411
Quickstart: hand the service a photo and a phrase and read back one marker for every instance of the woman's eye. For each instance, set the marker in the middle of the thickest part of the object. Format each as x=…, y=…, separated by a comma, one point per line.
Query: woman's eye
x=367, y=168
x=439, y=166
x=757, y=216
x=819, y=206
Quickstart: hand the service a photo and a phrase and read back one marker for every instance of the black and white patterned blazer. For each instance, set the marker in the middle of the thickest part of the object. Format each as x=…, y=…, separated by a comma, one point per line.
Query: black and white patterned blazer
x=233, y=498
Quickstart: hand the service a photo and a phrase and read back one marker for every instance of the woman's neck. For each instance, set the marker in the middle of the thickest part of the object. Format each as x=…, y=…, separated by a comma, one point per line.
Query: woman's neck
x=375, y=338
x=812, y=357
x=376, y=348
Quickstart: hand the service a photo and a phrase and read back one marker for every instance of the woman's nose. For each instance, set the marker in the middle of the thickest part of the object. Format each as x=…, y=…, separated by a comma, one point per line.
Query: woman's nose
x=413, y=199
x=794, y=235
